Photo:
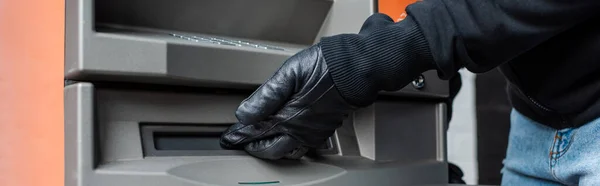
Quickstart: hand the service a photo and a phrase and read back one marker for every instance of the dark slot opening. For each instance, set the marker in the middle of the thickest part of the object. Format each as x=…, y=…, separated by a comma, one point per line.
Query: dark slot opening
x=170, y=139
x=187, y=140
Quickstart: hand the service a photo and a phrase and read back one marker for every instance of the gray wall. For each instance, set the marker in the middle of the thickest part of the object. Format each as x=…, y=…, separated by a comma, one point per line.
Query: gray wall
x=462, y=139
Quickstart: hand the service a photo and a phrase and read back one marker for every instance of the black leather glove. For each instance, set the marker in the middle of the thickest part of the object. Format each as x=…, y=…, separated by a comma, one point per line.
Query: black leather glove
x=308, y=97
x=296, y=109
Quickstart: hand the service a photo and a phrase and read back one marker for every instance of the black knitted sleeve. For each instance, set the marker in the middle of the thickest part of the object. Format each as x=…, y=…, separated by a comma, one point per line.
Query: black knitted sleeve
x=383, y=56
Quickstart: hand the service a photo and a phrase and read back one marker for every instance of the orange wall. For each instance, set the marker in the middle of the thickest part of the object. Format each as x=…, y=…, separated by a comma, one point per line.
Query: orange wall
x=393, y=8
x=31, y=95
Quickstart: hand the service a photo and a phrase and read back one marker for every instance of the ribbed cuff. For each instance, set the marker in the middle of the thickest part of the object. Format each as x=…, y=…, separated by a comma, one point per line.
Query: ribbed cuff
x=383, y=56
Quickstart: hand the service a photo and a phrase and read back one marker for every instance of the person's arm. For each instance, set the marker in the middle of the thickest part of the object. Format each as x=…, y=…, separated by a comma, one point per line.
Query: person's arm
x=311, y=94
x=476, y=34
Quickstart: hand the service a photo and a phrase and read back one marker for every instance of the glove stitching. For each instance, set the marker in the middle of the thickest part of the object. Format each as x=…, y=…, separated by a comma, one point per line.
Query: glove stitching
x=303, y=109
x=311, y=89
x=313, y=74
x=236, y=131
x=262, y=85
x=319, y=54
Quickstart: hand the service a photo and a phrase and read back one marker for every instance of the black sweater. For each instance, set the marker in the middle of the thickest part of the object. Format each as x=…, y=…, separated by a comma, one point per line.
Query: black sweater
x=549, y=50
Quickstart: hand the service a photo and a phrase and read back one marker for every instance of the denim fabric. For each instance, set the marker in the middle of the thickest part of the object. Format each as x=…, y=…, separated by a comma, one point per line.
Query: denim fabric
x=540, y=155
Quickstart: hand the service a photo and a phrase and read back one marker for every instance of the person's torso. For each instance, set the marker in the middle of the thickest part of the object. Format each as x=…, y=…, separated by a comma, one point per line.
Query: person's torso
x=559, y=81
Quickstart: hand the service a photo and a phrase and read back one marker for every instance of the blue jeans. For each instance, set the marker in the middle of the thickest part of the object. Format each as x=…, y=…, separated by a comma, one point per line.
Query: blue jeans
x=540, y=155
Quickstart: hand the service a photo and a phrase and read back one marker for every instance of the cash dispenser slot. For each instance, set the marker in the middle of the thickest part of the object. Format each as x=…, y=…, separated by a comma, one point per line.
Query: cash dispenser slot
x=181, y=140
x=185, y=140
x=194, y=140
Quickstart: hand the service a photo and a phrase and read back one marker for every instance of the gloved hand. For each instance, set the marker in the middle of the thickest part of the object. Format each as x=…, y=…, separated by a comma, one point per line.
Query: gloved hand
x=298, y=108
x=315, y=90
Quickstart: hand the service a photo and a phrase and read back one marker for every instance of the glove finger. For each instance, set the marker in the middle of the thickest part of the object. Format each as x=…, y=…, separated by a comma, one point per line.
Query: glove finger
x=239, y=134
x=269, y=97
x=278, y=147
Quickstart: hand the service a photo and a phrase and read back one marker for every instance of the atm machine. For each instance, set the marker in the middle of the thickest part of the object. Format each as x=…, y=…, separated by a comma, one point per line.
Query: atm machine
x=151, y=84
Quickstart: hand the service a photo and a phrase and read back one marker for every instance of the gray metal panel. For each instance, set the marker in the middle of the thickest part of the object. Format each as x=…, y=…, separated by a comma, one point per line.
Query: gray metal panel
x=193, y=171
x=125, y=110
x=134, y=56
x=103, y=133
x=123, y=147
x=365, y=132
x=346, y=16
x=416, y=127
x=79, y=134
x=125, y=55
x=115, y=48
x=293, y=21
x=346, y=139
x=393, y=120
x=244, y=67
x=73, y=35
